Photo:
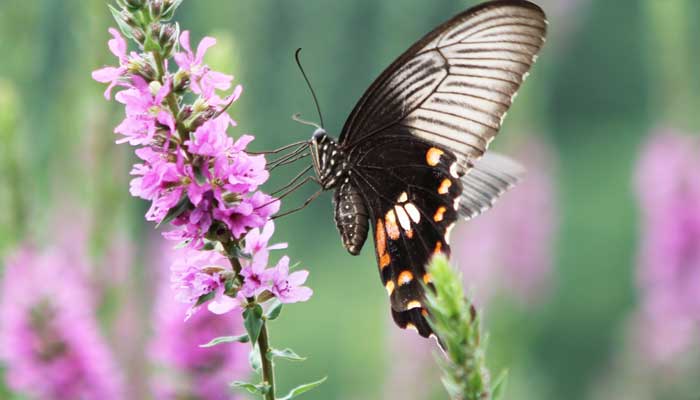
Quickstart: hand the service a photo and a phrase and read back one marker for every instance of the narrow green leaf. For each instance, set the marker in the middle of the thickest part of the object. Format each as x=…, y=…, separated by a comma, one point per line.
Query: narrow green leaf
x=170, y=11
x=274, y=311
x=303, y=389
x=254, y=359
x=499, y=386
x=126, y=29
x=175, y=212
x=250, y=387
x=253, y=322
x=227, y=339
x=287, y=354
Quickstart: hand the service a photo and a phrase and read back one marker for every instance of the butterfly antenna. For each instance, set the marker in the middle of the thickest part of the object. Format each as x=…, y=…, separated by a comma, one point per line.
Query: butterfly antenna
x=308, y=83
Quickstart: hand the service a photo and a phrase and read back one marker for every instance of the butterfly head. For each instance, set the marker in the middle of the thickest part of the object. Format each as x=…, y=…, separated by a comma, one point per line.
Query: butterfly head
x=328, y=159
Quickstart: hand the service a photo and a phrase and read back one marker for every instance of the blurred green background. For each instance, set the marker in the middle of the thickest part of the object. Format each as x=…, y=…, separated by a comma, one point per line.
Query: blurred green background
x=611, y=72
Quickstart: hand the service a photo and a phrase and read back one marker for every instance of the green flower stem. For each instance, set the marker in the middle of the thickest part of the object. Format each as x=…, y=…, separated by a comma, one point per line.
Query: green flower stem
x=268, y=373
x=170, y=98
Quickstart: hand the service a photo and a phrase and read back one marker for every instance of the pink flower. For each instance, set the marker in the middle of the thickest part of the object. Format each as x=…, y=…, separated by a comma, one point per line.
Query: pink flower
x=252, y=212
x=183, y=369
x=50, y=340
x=257, y=279
x=195, y=274
x=256, y=243
x=668, y=189
x=211, y=138
x=144, y=110
x=287, y=287
x=112, y=75
x=204, y=81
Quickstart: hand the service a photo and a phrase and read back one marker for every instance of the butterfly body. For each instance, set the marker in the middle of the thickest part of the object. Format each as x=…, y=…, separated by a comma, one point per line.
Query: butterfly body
x=411, y=158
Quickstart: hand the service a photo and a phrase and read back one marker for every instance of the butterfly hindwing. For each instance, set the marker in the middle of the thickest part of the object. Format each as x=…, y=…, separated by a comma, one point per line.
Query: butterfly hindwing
x=411, y=196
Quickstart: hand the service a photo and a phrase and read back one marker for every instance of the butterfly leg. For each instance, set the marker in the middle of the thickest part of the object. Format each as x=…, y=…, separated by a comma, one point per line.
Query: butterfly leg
x=303, y=206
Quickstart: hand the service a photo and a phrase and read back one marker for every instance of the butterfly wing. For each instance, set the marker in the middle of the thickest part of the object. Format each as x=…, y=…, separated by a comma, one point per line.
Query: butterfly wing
x=415, y=140
x=454, y=86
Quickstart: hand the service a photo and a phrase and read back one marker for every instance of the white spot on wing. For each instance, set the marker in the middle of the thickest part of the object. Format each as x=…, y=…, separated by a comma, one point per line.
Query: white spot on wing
x=413, y=212
x=403, y=218
x=448, y=231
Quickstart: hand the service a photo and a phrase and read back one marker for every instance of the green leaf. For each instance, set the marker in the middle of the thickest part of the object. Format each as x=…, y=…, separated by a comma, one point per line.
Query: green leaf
x=227, y=339
x=251, y=387
x=170, y=11
x=204, y=298
x=254, y=359
x=500, y=384
x=126, y=29
x=274, y=311
x=303, y=389
x=175, y=212
x=287, y=354
x=253, y=322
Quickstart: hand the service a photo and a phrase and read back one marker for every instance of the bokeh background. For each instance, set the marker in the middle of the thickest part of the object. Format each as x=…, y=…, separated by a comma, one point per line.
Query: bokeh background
x=559, y=269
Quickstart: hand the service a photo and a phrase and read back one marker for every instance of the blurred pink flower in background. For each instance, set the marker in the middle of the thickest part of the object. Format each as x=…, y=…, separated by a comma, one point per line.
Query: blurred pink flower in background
x=668, y=191
x=509, y=249
x=506, y=251
x=182, y=368
x=50, y=340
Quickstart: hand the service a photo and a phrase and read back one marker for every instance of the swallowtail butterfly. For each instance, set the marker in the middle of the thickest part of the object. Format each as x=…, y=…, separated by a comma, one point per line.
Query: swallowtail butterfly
x=411, y=158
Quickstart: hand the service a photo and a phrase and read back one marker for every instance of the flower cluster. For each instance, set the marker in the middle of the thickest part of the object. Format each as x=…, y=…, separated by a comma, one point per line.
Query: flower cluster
x=204, y=276
x=668, y=189
x=50, y=340
x=191, y=170
x=184, y=369
x=198, y=179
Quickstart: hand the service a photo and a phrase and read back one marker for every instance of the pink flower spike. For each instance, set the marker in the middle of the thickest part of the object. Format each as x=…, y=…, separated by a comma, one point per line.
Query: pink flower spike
x=256, y=243
x=204, y=45
x=287, y=287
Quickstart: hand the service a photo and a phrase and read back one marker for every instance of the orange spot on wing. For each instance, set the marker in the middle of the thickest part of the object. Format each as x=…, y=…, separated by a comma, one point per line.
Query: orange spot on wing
x=384, y=260
x=440, y=214
x=444, y=187
x=392, y=229
x=405, y=277
x=427, y=278
x=409, y=233
x=424, y=312
x=380, y=236
x=438, y=248
x=433, y=156
x=390, y=287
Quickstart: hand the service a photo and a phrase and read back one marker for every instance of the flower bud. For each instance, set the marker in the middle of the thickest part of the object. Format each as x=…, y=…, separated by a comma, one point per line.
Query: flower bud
x=135, y=4
x=155, y=9
x=181, y=82
x=143, y=68
x=167, y=38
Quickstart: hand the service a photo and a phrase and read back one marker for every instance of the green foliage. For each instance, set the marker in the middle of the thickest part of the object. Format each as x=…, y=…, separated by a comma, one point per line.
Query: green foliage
x=227, y=339
x=455, y=321
x=303, y=389
x=253, y=322
x=287, y=354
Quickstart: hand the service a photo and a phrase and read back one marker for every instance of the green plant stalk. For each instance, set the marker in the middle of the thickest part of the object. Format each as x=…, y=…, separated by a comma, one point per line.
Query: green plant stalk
x=268, y=373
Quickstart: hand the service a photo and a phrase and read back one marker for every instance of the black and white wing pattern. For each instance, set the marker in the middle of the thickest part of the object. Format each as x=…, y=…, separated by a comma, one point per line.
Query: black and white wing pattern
x=415, y=142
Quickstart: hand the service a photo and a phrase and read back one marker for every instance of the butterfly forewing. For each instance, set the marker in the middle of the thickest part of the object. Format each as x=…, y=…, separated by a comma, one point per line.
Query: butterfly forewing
x=455, y=85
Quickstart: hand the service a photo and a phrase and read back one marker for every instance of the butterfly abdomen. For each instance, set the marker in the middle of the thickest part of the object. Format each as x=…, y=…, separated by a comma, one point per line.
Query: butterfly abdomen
x=351, y=217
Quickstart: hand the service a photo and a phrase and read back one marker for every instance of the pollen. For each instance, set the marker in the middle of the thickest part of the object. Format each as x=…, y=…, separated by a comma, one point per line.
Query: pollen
x=392, y=228
x=433, y=156
x=440, y=214
x=390, y=287
x=413, y=304
x=405, y=277
x=444, y=186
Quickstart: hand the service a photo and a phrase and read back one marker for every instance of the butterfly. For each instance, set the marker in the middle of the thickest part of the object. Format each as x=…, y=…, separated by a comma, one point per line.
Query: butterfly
x=411, y=158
